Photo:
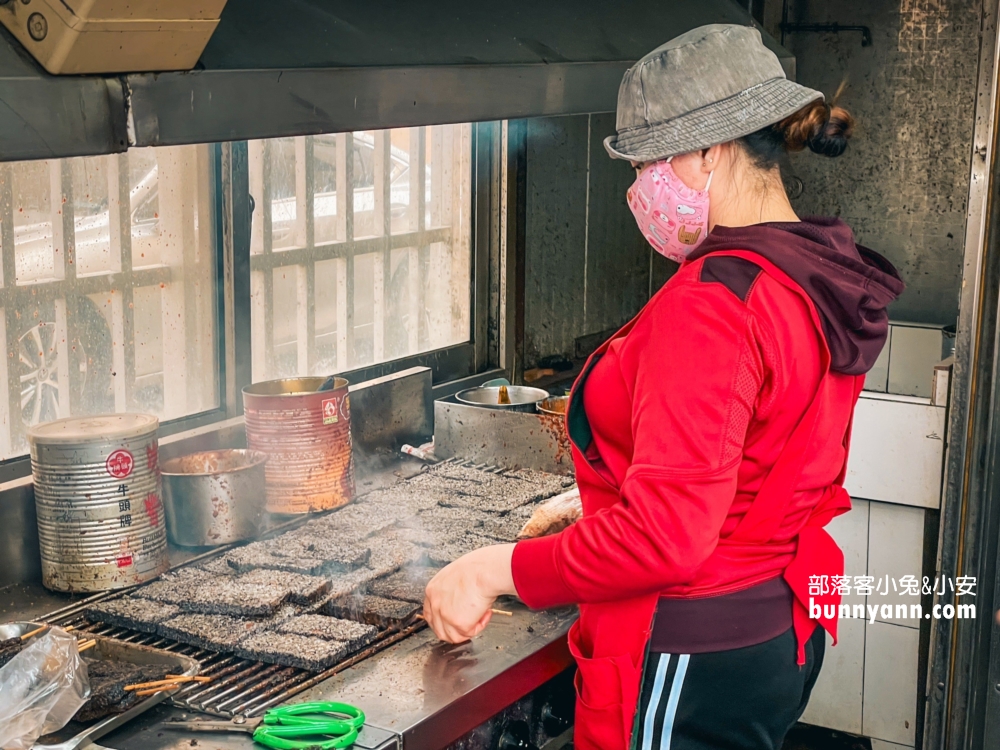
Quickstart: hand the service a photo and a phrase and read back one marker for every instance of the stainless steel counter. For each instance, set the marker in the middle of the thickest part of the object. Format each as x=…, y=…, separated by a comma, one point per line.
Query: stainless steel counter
x=419, y=694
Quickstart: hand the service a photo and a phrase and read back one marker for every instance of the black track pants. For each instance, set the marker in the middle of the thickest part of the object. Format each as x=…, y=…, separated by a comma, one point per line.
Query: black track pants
x=743, y=699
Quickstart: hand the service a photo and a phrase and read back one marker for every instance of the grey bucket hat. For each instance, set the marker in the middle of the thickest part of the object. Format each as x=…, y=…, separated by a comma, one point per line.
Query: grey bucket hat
x=713, y=84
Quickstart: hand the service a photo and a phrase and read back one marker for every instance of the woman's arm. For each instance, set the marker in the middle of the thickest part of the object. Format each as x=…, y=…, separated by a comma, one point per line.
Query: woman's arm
x=696, y=370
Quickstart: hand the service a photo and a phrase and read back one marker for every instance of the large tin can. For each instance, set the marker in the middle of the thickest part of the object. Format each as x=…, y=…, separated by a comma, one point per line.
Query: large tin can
x=307, y=436
x=101, y=523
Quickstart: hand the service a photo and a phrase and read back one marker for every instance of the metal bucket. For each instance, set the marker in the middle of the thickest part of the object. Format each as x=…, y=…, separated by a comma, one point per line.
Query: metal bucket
x=101, y=522
x=214, y=497
x=307, y=436
x=522, y=397
x=556, y=405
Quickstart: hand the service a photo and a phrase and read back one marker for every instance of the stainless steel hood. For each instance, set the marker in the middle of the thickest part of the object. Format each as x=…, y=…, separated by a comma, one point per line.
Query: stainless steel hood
x=310, y=66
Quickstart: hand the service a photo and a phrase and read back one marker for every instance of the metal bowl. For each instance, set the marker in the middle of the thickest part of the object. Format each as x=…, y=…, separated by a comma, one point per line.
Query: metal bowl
x=555, y=405
x=215, y=497
x=522, y=397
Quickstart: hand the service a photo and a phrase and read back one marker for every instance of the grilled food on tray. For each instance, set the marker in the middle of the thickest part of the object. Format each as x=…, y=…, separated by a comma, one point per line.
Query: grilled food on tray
x=9, y=648
x=314, y=595
x=107, y=686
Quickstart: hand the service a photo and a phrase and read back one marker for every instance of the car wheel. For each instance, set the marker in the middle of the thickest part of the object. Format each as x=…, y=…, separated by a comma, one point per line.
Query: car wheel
x=89, y=356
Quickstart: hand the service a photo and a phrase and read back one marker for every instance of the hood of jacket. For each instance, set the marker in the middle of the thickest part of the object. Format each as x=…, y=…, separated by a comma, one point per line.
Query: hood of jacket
x=850, y=285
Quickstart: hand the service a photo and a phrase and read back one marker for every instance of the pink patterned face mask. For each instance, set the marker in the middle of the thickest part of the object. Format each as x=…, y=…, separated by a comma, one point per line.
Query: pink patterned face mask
x=671, y=216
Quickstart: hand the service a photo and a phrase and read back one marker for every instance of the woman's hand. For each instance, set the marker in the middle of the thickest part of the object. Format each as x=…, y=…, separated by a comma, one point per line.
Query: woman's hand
x=458, y=599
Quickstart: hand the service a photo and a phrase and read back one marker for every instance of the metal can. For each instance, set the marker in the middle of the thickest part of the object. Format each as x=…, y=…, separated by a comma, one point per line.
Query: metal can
x=307, y=436
x=101, y=522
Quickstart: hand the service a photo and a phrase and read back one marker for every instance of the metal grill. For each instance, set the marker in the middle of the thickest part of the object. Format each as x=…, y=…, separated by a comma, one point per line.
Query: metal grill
x=239, y=687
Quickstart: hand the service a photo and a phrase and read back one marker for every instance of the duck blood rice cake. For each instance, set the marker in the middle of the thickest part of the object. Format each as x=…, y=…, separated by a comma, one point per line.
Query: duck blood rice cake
x=143, y=615
x=445, y=522
x=357, y=521
x=405, y=496
x=451, y=551
x=373, y=610
x=355, y=634
x=9, y=648
x=407, y=585
x=107, y=686
x=504, y=528
x=174, y=588
x=235, y=597
x=302, y=589
x=390, y=553
x=217, y=566
x=347, y=583
x=289, y=650
x=336, y=554
x=212, y=632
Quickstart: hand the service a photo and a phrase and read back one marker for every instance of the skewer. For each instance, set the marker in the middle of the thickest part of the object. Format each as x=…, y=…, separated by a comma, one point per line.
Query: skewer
x=169, y=680
x=84, y=645
x=35, y=632
x=503, y=612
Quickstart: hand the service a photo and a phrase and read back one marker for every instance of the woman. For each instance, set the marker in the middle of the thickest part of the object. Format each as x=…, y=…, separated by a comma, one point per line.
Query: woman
x=710, y=434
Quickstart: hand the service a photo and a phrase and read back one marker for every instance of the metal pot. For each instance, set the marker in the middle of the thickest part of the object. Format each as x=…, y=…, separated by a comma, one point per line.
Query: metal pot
x=215, y=497
x=522, y=397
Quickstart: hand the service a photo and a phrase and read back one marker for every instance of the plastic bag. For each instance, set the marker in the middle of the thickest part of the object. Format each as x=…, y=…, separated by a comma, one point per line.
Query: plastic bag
x=554, y=515
x=41, y=689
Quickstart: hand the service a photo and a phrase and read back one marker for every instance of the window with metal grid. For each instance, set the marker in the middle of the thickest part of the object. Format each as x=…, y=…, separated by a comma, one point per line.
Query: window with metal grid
x=360, y=248
x=108, y=288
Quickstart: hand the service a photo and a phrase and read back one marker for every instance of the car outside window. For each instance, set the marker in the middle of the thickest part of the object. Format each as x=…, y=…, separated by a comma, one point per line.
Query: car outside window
x=108, y=288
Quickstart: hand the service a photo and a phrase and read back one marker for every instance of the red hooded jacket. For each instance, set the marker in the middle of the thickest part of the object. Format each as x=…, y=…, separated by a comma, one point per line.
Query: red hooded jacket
x=677, y=422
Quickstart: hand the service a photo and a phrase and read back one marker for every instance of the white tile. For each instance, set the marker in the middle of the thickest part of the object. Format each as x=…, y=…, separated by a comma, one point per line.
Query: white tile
x=890, y=687
x=836, y=700
x=883, y=745
x=850, y=532
x=897, y=450
x=914, y=349
x=877, y=378
x=913, y=352
x=895, y=549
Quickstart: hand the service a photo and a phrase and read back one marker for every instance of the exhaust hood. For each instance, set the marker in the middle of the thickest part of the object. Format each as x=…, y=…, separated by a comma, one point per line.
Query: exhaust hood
x=312, y=66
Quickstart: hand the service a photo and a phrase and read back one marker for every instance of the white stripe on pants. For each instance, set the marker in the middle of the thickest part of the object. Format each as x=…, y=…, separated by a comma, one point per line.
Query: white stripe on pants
x=673, y=698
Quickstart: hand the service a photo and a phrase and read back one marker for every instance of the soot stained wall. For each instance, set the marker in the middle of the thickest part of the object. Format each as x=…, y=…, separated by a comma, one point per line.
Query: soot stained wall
x=588, y=270
x=903, y=183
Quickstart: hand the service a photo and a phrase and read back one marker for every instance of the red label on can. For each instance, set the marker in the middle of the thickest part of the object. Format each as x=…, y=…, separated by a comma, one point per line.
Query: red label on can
x=329, y=410
x=124, y=561
x=153, y=508
x=120, y=463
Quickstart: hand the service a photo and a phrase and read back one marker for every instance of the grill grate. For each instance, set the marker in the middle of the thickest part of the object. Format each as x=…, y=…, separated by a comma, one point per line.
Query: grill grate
x=239, y=687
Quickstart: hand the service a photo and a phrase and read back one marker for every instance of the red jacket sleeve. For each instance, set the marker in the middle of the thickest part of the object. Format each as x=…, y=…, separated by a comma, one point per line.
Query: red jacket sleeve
x=695, y=369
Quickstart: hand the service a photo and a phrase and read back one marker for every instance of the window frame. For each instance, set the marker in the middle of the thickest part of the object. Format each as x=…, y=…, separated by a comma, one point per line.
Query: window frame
x=232, y=233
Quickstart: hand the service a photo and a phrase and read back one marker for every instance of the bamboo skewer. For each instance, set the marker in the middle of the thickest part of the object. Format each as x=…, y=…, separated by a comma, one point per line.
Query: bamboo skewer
x=84, y=645
x=167, y=683
x=26, y=636
x=35, y=632
x=503, y=612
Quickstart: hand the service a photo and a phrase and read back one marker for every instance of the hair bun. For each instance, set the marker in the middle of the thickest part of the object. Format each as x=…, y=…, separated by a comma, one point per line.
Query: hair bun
x=824, y=129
